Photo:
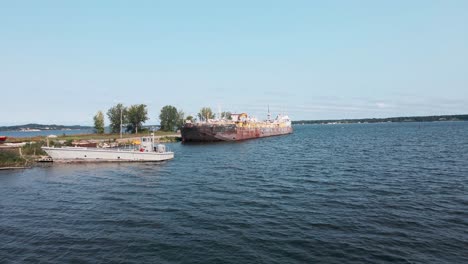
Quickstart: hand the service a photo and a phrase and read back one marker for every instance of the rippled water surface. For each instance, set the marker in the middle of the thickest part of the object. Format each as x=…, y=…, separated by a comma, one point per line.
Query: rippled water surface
x=327, y=193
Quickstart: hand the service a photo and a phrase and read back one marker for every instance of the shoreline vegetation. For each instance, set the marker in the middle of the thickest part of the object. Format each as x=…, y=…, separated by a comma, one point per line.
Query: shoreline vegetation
x=438, y=118
x=12, y=160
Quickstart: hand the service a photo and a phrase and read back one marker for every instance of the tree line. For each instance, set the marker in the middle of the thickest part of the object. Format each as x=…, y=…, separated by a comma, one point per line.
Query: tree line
x=133, y=117
x=389, y=119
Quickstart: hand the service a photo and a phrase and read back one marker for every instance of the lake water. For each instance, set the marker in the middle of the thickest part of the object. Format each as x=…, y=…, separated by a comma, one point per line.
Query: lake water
x=26, y=134
x=327, y=193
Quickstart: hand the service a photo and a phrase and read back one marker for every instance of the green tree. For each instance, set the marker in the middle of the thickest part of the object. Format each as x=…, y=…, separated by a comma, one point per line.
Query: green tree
x=205, y=114
x=180, y=119
x=226, y=115
x=189, y=118
x=169, y=118
x=117, y=116
x=99, y=122
x=136, y=116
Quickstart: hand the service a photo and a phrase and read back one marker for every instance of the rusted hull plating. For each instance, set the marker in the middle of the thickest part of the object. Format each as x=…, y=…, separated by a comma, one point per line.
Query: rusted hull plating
x=212, y=133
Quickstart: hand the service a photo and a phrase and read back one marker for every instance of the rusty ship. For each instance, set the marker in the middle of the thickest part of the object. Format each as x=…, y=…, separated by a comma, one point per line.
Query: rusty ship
x=239, y=127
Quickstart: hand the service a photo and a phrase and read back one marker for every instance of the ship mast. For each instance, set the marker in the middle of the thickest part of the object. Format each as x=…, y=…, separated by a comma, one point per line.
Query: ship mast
x=269, y=115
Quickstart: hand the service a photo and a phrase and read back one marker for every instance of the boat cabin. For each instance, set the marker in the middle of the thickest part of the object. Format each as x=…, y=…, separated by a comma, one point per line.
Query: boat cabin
x=147, y=145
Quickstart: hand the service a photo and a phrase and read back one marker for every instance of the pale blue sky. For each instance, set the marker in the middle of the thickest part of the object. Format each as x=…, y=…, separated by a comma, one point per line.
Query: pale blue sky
x=62, y=61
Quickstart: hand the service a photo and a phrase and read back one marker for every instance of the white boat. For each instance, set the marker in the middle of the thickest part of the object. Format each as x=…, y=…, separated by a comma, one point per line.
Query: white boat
x=146, y=150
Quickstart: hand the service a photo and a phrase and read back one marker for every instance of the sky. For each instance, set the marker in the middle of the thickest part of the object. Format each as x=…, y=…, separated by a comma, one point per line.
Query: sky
x=62, y=61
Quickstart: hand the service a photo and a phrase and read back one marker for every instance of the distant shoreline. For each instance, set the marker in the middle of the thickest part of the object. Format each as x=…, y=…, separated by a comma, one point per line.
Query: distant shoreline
x=40, y=127
x=387, y=120
x=35, y=127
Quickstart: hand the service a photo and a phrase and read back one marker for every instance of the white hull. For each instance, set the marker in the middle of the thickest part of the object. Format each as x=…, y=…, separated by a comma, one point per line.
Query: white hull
x=94, y=154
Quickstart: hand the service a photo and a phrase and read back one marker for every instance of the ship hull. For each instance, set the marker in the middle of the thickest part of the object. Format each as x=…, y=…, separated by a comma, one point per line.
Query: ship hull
x=213, y=133
x=76, y=154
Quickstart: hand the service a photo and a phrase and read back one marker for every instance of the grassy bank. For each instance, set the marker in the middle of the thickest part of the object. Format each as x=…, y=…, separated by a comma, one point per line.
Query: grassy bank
x=169, y=139
x=33, y=149
x=11, y=159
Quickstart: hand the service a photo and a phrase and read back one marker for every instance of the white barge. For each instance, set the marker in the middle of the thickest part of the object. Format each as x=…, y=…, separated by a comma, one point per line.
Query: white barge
x=147, y=150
